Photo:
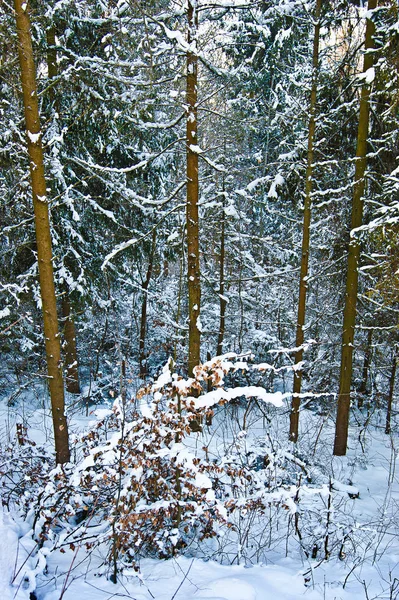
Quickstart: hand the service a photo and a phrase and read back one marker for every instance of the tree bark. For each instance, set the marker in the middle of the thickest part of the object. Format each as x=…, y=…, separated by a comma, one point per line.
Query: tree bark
x=43, y=235
x=51, y=58
x=391, y=390
x=303, y=285
x=342, y=422
x=192, y=222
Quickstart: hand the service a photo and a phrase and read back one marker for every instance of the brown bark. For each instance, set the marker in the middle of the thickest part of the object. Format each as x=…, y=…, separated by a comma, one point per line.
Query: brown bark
x=51, y=57
x=43, y=235
x=71, y=356
x=391, y=390
x=348, y=333
x=192, y=223
x=143, y=322
x=303, y=285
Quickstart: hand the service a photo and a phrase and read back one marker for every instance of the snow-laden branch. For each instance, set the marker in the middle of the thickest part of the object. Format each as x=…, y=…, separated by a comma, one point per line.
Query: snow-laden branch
x=123, y=170
x=134, y=241
x=250, y=391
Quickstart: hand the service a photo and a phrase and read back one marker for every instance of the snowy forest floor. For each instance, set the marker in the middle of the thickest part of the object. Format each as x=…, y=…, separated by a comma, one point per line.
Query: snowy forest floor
x=359, y=530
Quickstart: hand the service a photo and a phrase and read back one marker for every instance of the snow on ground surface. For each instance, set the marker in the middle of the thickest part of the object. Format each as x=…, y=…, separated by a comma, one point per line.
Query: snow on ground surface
x=26, y=573
x=9, y=534
x=185, y=578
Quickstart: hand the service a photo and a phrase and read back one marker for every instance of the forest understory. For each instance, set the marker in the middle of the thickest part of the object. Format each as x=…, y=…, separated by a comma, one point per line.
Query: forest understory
x=258, y=517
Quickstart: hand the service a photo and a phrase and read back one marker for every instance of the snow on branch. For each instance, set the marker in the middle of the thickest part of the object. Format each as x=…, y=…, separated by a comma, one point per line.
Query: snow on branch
x=116, y=251
x=251, y=391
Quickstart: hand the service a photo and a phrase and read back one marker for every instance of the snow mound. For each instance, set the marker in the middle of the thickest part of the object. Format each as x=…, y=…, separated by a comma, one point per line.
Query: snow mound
x=9, y=534
x=227, y=588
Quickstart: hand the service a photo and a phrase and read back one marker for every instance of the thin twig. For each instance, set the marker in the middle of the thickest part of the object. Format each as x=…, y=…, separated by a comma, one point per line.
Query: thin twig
x=183, y=580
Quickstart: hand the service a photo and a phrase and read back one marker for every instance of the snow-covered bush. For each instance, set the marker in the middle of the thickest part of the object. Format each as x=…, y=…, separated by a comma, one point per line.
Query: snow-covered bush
x=137, y=470
x=159, y=495
x=142, y=484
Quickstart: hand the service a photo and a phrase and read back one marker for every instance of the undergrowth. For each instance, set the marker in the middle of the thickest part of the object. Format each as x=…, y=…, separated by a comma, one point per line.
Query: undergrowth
x=139, y=485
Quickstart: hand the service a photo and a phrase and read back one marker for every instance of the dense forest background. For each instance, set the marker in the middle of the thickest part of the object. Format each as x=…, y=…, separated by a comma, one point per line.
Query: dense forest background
x=221, y=179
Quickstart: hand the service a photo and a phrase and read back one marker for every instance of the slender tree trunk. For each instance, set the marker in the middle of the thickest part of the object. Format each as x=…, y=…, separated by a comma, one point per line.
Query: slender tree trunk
x=71, y=356
x=239, y=337
x=365, y=370
x=222, y=299
x=43, y=235
x=391, y=390
x=143, y=321
x=303, y=285
x=342, y=422
x=193, y=257
x=51, y=57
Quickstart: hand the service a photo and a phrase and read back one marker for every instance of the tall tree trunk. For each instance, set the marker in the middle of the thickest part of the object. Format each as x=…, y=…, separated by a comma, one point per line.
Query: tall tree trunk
x=222, y=299
x=43, y=235
x=192, y=224
x=342, y=422
x=143, y=322
x=303, y=285
x=391, y=389
x=71, y=356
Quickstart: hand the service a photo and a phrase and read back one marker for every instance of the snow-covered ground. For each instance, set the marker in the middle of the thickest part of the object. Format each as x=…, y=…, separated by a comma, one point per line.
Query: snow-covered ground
x=366, y=569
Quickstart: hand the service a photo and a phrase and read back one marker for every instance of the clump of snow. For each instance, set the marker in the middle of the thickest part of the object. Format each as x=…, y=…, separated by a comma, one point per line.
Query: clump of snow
x=278, y=182
x=196, y=149
x=164, y=378
x=33, y=137
x=4, y=313
x=368, y=76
